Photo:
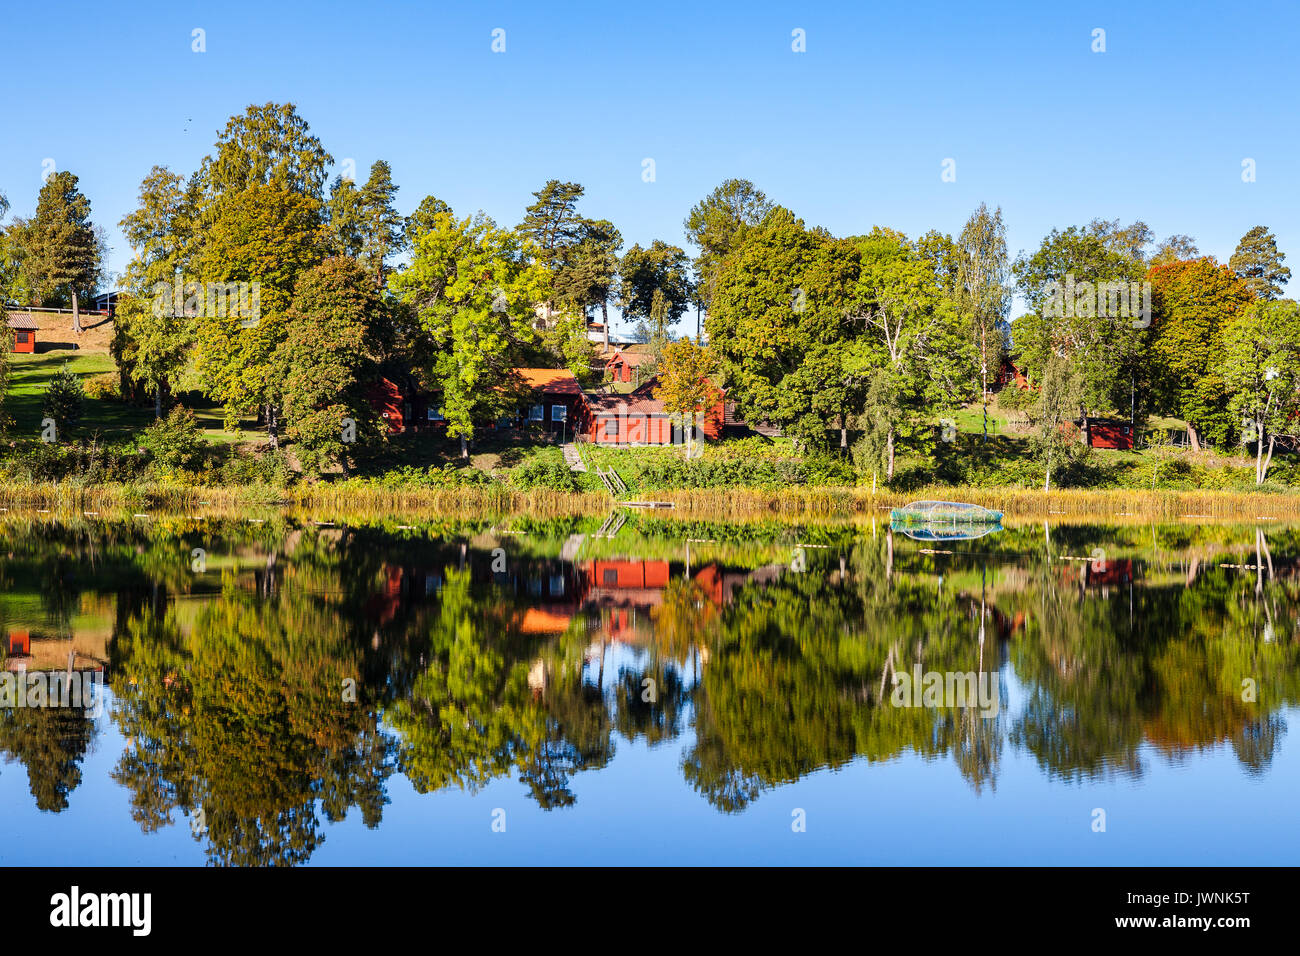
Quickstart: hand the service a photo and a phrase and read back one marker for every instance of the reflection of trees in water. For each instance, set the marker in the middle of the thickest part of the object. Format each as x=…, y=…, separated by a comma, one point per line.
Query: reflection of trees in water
x=801, y=678
x=50, y=742
x=239, y=715
x=242, y=724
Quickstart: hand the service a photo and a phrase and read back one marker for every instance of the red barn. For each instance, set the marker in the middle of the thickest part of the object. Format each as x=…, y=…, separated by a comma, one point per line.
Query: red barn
x=24, y=328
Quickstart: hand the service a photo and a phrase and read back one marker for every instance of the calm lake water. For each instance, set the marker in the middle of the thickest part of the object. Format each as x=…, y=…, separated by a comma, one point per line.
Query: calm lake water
x=516, y=690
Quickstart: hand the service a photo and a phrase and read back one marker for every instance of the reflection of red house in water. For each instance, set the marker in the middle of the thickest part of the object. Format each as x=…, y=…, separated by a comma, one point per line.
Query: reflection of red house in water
x=1098, y=573
x=1108, y=573
x=20, y=643
x=617, y=596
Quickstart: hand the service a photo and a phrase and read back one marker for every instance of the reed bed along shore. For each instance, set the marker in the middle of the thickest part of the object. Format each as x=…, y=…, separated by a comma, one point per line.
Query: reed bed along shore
x=723, y=504
x=337, y=499
x=1015, y=503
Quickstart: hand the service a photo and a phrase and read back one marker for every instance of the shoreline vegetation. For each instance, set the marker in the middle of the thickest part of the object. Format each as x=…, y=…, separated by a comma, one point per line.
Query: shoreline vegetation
x=732, y=504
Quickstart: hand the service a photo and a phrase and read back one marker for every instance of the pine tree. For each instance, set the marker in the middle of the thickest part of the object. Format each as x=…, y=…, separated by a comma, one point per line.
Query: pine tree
x=64, y=400
x=61, y=251
x=1258, y=262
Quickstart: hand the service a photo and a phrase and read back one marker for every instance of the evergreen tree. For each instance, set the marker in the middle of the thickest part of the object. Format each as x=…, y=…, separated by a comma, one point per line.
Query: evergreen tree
x=64, y=401
x=61, y=252
x=1259, y=264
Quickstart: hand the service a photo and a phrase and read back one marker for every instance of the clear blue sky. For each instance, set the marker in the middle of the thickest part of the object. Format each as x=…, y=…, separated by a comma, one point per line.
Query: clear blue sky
x=850, y=134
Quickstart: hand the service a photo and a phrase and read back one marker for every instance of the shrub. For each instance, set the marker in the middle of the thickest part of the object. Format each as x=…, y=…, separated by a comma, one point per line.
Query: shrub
x=37, y=461
x=544, y=474
x=175, y=441
x=104, y=387
x=266, y=466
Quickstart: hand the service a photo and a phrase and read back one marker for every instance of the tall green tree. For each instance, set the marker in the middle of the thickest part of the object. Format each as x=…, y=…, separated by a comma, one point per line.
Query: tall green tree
x=268, y=145
x=61, y=253
x=270, y=236
x=1072, y=284
x=1259, y=264
x=1261, y=368
x=553, y=226
x=778, y=322
x=983, y=270
x=152, y=336
x=473, y=286
x=659, y=267
x=589, y=272
x=423, y=219
x=1193, y=301
x=362, y=224
x=715, y=225
x=337, y=336
x=909, y=327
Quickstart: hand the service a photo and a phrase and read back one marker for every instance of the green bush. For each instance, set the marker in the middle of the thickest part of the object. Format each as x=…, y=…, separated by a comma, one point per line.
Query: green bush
x=37, y=461
x=448, y=476
x=103, y=387
x=265, y=467
x=175, y=442
x=540, y=473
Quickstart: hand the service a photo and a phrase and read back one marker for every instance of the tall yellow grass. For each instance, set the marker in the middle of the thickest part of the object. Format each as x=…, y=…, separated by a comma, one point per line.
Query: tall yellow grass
x=735, y=504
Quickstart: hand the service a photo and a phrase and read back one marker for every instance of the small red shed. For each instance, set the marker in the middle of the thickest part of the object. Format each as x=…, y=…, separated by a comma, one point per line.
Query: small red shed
x=24, y=328
x=1108, y=433
x=623, y=364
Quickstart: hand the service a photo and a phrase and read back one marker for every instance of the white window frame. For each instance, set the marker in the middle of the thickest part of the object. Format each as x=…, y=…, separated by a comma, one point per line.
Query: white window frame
x=537, y=413
x=435, y=414
x=563, y=411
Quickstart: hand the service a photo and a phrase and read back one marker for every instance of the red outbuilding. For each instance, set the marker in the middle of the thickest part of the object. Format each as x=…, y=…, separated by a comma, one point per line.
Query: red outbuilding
x=24, y=329
x=1108, y=433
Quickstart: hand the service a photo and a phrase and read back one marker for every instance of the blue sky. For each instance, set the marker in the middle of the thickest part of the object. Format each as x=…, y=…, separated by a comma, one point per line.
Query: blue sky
x=850, y=134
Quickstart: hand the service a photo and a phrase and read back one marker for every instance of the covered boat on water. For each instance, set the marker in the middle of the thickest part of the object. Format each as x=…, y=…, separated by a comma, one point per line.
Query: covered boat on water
x=943, y=515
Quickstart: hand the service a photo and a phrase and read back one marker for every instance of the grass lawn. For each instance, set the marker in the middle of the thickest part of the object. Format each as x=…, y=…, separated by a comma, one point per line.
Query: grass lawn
x=30, y=376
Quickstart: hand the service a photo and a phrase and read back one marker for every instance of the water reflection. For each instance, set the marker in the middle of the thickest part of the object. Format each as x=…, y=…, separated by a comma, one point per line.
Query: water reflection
x=286, y=683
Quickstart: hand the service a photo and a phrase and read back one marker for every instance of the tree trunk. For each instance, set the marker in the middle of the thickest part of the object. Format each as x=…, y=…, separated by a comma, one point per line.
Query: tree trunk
x=76, y=316
x=889, y=451
x=1261, y=467
x=604, y=316
x=271, y=426
x=464, y=447
x=1192, y=438
x=157, y=401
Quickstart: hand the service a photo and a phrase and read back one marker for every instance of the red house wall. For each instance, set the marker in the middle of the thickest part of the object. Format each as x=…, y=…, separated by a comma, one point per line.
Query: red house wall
x=28, y=347
x=1110, y=436
x=386, y=399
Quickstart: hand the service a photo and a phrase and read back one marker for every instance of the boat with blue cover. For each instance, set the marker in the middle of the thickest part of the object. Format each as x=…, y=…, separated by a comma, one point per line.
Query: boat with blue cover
x=944, y=516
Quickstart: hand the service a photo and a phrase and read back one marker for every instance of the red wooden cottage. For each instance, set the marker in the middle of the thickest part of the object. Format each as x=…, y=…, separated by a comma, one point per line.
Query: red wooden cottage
x=639, y=418
x=557, y=404
x=24, y=329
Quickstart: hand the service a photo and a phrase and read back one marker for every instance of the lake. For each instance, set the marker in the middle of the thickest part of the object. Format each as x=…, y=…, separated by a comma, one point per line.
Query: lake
x=287, y=691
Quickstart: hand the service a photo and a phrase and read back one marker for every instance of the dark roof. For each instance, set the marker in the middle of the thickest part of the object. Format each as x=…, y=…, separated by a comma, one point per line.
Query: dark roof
x=639, y=401
x=22, y=321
